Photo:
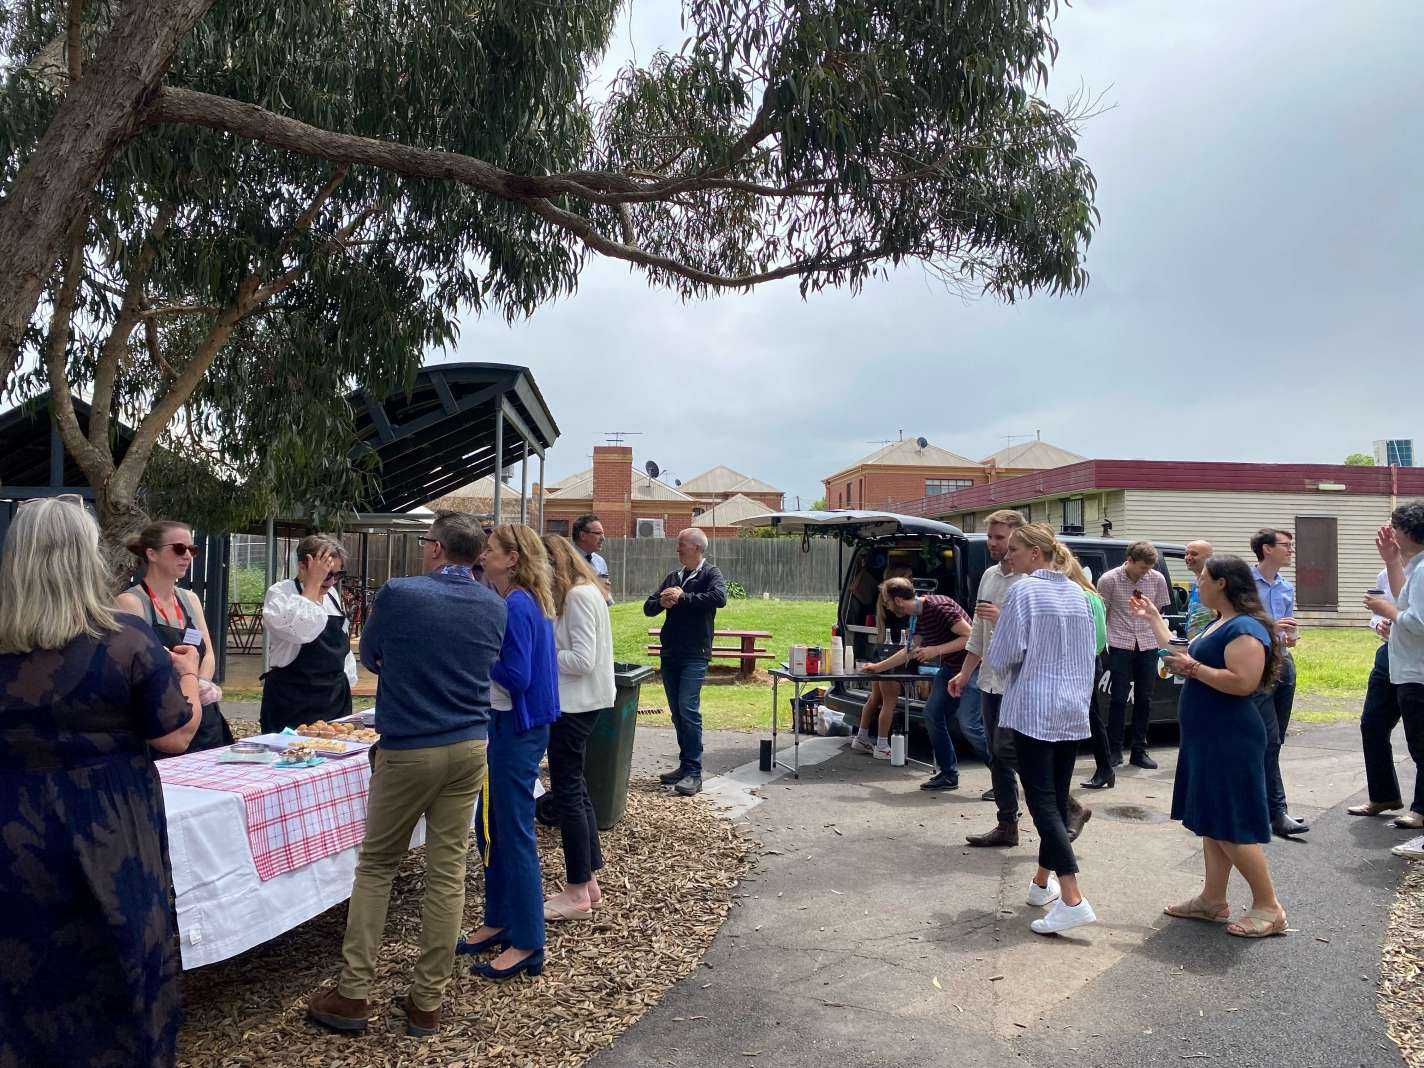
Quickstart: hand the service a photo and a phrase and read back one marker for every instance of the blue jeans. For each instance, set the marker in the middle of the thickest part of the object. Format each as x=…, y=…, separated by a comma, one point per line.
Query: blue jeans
x=940, y=709
x=514, y=896
x=682, y=680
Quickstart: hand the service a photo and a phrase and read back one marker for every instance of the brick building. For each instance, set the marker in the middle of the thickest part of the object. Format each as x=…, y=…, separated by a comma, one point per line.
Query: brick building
x=1333, y=510
x=906, y=470
x=721, y=483
x=620, y=495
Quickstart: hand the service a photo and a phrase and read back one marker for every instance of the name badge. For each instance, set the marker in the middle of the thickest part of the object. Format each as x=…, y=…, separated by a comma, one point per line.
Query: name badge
x=193, y=636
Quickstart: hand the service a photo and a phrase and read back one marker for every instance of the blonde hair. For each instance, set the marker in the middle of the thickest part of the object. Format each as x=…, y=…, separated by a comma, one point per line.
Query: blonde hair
x=567, y=568
x=898, y=586
x=531, y=573
x=1073, y=569
x=1040, y=536
x=1007, y=517
x=54, y=586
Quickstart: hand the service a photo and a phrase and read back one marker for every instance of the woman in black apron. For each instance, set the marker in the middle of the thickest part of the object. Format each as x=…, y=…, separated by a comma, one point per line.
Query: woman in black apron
x=309, y=644
x=166, y=551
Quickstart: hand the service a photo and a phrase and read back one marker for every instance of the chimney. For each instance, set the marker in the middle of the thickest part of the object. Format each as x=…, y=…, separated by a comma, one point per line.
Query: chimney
x=613, y=488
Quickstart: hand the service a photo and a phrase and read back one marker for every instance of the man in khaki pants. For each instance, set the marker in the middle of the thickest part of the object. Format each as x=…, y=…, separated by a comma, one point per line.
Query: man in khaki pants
x=431, y=639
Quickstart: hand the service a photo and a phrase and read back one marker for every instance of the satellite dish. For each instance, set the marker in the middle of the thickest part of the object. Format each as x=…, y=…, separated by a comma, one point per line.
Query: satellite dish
x=652, y=468
x=922, y=442
x=677, y=482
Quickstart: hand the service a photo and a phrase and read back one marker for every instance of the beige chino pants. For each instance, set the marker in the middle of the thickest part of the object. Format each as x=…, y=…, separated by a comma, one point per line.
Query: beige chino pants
x=441, y=784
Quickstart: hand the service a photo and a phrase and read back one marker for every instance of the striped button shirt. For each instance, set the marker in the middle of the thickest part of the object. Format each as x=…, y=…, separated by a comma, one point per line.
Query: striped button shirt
x=1044, y=646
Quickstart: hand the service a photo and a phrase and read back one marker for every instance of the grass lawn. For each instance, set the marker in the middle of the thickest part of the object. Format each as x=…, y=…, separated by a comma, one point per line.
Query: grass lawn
x=1333, y=664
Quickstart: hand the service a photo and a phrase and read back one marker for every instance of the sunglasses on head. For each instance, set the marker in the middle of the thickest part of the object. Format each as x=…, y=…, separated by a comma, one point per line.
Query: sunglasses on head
x=179, y=549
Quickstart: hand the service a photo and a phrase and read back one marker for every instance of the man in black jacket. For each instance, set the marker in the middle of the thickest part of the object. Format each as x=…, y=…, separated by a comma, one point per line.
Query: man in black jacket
x=690, y=595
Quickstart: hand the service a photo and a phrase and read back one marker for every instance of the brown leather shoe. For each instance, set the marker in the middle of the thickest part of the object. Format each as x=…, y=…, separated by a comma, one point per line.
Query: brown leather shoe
x=1078, y=814
x=328, y=1008
x=419, y=1022
x=1005, y=834
x=1374, y=808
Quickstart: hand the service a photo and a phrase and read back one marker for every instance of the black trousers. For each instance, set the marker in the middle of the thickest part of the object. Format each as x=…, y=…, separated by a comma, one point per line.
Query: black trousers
x=1135, y=669
x=1002, y=759
x=1046, y=769
x=1274, y=707
x=578, y=826
x=1385, y=705
x=1102, y=751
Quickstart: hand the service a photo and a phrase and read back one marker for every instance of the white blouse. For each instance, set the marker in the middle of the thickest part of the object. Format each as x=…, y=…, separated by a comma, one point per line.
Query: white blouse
x=584, y=635
x=292, y=620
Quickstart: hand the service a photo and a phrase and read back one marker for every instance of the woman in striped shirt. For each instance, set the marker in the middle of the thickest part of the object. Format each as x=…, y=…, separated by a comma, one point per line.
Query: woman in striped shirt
x=1044, y=647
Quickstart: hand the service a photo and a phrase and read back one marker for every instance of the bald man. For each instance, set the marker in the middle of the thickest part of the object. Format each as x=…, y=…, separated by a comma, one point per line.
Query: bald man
x=1199, y=617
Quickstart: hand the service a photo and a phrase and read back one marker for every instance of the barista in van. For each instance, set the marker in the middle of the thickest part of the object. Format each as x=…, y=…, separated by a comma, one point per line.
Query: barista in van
x=939, y=629
x=311, y=669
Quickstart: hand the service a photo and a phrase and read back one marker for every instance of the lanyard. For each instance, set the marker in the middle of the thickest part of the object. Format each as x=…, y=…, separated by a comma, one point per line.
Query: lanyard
x=177, y=607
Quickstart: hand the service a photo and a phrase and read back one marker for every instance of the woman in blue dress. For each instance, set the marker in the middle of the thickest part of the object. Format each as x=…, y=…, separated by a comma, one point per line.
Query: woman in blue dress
x=1220, y=789
x=87, y=693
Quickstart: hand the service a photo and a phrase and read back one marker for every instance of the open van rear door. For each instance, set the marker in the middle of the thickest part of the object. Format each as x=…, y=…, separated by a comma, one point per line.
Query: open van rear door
x=850, y=525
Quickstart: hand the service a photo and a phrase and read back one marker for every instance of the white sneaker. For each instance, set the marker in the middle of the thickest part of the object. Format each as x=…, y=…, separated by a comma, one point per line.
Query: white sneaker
x=882, y=752
x=1063, y=917
x=861, y=745
x=1038, y=896
x=1410, y=850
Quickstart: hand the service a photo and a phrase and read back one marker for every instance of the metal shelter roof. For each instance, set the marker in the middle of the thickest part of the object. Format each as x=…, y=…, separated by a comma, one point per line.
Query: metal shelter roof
x=442, y=434
x=32, y=458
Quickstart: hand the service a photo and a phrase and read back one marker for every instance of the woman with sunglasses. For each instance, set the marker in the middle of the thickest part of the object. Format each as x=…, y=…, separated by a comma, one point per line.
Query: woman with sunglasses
x=310, y=666
x=166, y=552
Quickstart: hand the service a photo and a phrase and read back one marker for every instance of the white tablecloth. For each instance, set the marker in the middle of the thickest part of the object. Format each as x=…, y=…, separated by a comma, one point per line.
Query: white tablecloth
x=223, y=907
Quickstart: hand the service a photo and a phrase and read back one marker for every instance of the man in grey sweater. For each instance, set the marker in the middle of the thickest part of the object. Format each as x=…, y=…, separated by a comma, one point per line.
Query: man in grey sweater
x=432, y=639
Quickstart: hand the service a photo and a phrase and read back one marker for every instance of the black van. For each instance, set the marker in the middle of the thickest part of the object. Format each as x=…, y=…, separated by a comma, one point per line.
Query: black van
x=941, y=558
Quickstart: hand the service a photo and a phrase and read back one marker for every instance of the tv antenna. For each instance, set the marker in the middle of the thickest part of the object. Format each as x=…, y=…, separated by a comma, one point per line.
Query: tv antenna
x=1009, y=439
x=615, y=437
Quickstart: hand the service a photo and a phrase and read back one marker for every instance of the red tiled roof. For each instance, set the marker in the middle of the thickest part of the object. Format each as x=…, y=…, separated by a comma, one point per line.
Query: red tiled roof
x=1091, y=475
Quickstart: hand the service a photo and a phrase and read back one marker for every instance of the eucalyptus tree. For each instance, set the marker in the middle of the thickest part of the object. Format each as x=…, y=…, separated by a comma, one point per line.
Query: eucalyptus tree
x=313, y=193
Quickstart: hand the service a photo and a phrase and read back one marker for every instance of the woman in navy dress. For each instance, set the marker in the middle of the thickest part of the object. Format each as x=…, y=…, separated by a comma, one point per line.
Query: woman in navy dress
x=524, y=695
x=1220, y=789
x=90, y=972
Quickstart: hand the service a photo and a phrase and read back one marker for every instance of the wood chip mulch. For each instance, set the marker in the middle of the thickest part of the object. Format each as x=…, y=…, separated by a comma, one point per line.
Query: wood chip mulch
x=672, y=868
x=1401, y=991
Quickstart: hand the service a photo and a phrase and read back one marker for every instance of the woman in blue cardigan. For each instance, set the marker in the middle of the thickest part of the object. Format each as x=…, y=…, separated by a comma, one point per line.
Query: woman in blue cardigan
x=524, y=696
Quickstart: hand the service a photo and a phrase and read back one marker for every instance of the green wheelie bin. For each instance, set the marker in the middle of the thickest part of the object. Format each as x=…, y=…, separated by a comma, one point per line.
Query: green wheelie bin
x=610, y=747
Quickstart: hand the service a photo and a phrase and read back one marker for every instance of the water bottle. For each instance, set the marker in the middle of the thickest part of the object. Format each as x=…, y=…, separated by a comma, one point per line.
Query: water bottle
x=897, y=750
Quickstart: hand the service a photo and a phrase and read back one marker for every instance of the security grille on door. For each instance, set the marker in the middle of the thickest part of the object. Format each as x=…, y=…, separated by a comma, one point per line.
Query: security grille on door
x=650, y=528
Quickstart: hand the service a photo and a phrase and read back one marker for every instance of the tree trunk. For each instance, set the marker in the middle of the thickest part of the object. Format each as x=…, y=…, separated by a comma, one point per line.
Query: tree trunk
x=98, y=115
x=119, y=520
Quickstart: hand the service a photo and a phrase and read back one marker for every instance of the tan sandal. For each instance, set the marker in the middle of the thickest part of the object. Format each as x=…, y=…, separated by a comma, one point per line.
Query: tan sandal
x=1374, y=808
x=1257, y=923
x=1198, y=909
x=1410, y=821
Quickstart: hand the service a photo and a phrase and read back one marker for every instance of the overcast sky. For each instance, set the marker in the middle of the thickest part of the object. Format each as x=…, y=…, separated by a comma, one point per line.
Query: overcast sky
x=1257, y=290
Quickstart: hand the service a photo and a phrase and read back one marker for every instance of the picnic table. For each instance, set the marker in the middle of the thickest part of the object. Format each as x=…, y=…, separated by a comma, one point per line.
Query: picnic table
x=244, y=625
x=747, y=651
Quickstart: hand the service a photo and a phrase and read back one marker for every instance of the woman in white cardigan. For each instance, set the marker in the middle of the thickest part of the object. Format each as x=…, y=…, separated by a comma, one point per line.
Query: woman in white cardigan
x=584, y=634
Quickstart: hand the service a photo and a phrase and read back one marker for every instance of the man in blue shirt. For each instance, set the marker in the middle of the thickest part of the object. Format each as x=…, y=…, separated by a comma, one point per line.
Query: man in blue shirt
x=1199, y=617
x=432, y=639
x=587, y=534
x=1274, y=550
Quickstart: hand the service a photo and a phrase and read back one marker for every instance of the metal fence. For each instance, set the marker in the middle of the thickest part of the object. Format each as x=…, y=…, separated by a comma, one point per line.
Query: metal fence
x=775, y=566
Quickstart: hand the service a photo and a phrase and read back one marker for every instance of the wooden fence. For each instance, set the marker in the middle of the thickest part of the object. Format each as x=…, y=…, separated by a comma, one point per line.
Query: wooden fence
x=776, y=566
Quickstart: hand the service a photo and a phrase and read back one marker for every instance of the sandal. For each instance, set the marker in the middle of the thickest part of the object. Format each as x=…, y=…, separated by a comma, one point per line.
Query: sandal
x=1374, y=808
x=1258, y=923
x=1198, y=909
x=1410, y=821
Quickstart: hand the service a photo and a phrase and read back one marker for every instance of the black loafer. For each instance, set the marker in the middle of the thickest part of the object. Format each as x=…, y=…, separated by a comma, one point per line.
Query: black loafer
x=671, y=778
x=1142, y=760
x=1100, y=781
x=988, y=795
x=939, y=782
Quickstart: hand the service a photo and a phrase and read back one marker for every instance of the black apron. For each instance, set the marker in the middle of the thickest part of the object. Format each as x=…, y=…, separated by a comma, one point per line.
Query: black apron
x=213, y=730
x=313, y=686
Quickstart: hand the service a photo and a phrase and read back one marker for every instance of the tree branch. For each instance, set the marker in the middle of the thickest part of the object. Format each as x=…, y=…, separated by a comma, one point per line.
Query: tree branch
x=130, y=313
x=73, y=40
x=96, y=464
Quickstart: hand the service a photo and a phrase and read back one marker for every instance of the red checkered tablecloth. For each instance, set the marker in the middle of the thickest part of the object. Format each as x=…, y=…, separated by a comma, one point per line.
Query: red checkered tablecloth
x=294, y=817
